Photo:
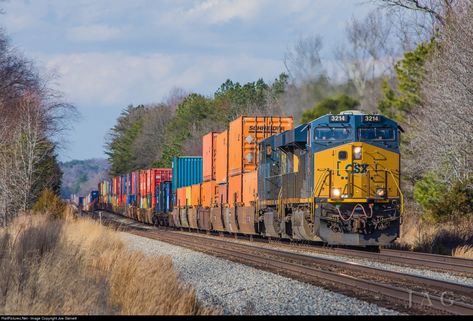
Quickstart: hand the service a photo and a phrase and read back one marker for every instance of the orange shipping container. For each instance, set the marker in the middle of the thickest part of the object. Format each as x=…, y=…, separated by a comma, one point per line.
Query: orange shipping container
x=195, y=195
x=245, y=133
x=188, y=195
x=181, y=197
x=250, y=188
x=222, y=194
x=235, y=194
x=207, y=194
x=221, y=157
x=243, y=189
x=208, y=156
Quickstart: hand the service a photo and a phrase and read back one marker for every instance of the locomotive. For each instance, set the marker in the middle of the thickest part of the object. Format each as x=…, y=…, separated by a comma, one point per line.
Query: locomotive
x=335, y=179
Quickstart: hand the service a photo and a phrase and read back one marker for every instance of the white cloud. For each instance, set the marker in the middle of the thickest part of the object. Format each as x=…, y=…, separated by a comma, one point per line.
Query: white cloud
x=219, y=11
x=109, y=79
x=95, y=33
x=118, y=79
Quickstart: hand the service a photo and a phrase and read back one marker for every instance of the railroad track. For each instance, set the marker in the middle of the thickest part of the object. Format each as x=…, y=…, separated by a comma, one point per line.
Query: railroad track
x=400, y=291
x=441, y=263
x=309, y=269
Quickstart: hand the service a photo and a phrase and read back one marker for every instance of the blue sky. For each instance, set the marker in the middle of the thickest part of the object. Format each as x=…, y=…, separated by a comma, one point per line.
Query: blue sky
x=108, y=54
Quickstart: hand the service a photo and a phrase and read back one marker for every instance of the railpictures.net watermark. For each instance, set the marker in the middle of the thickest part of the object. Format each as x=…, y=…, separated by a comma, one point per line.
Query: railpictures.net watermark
x=33, y=318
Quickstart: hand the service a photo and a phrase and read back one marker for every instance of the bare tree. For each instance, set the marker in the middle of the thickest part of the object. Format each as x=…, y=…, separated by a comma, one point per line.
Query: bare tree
x=420, y=20
x=444, y=142
x=368, y=53
x=32, y=117
x=438, y=10
x=148, y=146
x=302, y=61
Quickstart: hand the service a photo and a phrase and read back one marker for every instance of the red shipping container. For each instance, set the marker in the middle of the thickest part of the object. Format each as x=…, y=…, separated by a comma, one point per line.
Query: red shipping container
x=148, y=181
x=116, y=184
x=162, y=175
x=142, y=183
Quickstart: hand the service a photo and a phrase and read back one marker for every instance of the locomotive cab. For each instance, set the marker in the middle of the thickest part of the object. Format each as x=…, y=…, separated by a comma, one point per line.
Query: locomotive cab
x=356, y=178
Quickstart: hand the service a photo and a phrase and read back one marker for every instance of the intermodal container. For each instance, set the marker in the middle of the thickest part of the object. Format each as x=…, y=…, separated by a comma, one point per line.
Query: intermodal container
x=209, y=154
x=181, y=197
x=245, y=133
x=186, y=171
x=243, y=189
x=148, y=181
x=222, y=191
x=188, y=195
x=195, y=195
x=250, y=188
x=221, y=157
x=235, y=192
x=162, y=175
x=164, y=197
x=158, y=175
x=207, y=194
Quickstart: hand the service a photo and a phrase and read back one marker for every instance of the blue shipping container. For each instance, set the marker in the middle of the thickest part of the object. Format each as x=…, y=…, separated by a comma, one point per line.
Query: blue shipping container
x=186, y=171
x=164, y=197
x=94, y=195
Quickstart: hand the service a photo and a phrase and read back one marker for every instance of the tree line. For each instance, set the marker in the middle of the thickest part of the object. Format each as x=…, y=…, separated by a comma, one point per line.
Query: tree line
x=32, y=116
x=408, y=59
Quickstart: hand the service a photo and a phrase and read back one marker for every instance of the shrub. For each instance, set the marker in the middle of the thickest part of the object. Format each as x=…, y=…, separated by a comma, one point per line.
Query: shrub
x=442, y=203
x=50, y=203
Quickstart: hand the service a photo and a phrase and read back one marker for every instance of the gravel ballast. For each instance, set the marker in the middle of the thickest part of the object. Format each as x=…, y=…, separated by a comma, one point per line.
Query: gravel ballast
x=442, y=276
x=238, y=289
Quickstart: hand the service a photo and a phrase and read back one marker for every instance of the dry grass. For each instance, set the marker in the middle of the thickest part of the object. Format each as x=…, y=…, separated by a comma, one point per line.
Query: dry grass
x=465, y=251
x=441, y=238
x=79, y=267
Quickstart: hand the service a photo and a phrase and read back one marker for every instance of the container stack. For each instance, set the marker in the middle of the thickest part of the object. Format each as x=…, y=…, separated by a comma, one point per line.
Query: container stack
x=186, y=172
x=237, y=157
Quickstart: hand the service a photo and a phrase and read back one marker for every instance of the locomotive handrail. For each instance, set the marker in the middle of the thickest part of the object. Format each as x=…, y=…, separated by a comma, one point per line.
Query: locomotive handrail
x=322, y=179
x=327, y=171
x=312, y=199
x=401, y=195
x=280, y=204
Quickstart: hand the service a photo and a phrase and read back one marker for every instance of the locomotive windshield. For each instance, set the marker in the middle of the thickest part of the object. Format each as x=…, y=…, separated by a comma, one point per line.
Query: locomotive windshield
x=332, y=133
x=377, y=133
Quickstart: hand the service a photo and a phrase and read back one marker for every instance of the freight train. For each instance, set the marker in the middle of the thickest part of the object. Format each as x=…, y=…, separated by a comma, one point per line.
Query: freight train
x=335, y=179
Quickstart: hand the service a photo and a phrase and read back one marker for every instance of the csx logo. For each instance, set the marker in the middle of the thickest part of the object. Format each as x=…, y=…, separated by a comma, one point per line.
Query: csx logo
x=357, y=168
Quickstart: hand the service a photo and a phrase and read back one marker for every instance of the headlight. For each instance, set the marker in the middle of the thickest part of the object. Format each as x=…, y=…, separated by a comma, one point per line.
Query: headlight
x=357, y=152
x=336, y=192
x=380, y=192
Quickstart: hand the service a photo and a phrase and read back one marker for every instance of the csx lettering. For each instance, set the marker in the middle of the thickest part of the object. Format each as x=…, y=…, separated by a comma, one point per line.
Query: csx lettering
x=357, y=168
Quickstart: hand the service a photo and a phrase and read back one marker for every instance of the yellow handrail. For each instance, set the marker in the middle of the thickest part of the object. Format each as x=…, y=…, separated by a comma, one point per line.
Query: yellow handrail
x=401, y=196
x=320, y=182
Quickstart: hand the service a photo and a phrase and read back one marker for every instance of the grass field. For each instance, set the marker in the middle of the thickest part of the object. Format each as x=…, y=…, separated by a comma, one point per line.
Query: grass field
x=75, y=266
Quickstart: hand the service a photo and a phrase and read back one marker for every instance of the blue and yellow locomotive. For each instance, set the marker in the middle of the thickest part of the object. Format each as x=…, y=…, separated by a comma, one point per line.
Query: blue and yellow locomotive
x=335, y=179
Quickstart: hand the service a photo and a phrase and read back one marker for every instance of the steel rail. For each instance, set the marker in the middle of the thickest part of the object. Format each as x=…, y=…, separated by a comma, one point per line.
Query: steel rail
x=442, y=263
x=413, y=299
x=309, y=259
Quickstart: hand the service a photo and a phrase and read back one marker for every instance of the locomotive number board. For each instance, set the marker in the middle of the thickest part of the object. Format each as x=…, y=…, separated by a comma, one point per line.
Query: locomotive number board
x=372, y=118
x=339, y=118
